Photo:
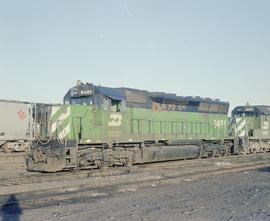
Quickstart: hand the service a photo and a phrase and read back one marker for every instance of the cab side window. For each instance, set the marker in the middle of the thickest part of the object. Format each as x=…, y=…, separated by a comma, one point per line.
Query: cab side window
x=115, y=105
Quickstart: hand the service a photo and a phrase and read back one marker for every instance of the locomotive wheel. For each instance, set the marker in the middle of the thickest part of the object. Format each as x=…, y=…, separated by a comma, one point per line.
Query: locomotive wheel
x=264, y=150
x=6, y=149
x=202, y=154
x=253, y=151
x=224, y=152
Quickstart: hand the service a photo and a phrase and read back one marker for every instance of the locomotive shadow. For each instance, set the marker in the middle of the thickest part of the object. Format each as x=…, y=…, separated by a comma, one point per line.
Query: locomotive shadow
x=264, y=169
x=11, y=210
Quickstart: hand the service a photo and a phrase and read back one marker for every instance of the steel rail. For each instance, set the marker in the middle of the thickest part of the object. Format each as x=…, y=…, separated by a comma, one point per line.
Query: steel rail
x=80, y=192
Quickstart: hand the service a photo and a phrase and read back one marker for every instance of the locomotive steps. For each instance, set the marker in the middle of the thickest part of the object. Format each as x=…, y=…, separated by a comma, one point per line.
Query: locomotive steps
x=42, y=189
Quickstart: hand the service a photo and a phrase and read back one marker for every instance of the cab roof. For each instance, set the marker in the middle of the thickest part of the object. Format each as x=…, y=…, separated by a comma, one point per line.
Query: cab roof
x=260, y=109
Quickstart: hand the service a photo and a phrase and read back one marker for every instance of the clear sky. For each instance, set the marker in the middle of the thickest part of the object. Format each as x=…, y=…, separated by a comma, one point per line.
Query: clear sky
x=209, y=48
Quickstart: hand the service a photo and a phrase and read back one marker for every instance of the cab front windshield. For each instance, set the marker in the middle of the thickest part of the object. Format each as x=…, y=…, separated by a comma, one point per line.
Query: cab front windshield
x=81, y=100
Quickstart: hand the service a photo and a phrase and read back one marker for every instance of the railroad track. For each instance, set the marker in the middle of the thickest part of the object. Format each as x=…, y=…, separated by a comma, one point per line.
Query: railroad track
x=78, y=186
x=12, y=161
x=37, y=177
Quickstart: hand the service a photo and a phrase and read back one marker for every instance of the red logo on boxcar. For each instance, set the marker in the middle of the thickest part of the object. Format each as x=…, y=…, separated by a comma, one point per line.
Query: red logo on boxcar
x=21, y=115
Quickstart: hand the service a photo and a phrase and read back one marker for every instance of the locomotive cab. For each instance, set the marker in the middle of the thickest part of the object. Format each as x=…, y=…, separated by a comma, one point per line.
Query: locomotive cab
x=81, y=94
x=251, y=121
x=109, y=99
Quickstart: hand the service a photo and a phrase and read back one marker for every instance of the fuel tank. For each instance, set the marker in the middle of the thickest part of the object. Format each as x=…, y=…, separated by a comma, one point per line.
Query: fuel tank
x=162, y=153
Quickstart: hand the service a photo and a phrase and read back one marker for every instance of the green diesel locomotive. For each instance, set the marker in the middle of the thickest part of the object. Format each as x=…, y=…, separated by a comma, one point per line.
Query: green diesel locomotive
x=100, y=126
x=251, y=125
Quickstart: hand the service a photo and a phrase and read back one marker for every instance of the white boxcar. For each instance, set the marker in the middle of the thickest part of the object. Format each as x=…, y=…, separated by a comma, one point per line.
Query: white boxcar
x=16, y=125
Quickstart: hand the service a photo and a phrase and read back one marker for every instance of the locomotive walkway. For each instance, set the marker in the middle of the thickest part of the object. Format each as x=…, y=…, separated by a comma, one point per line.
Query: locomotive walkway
x=32, y=189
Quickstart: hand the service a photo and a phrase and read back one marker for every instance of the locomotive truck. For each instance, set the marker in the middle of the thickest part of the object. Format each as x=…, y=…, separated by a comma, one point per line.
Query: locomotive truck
x=101, y=126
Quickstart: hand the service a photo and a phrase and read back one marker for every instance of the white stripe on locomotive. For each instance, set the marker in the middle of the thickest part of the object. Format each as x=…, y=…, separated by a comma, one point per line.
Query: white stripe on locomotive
x=54, y=110
x=240, y=127
x=64, y=132
x=60, y=120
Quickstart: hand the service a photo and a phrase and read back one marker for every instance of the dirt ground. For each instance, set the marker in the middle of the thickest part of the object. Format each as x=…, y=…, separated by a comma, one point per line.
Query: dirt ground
x=233, y=196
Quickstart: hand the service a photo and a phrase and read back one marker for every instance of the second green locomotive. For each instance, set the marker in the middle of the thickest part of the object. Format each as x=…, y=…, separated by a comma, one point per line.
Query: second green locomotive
x=251, y=124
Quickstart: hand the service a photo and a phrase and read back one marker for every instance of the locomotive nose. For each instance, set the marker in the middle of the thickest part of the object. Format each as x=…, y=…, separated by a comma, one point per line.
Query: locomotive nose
x=47, y=157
